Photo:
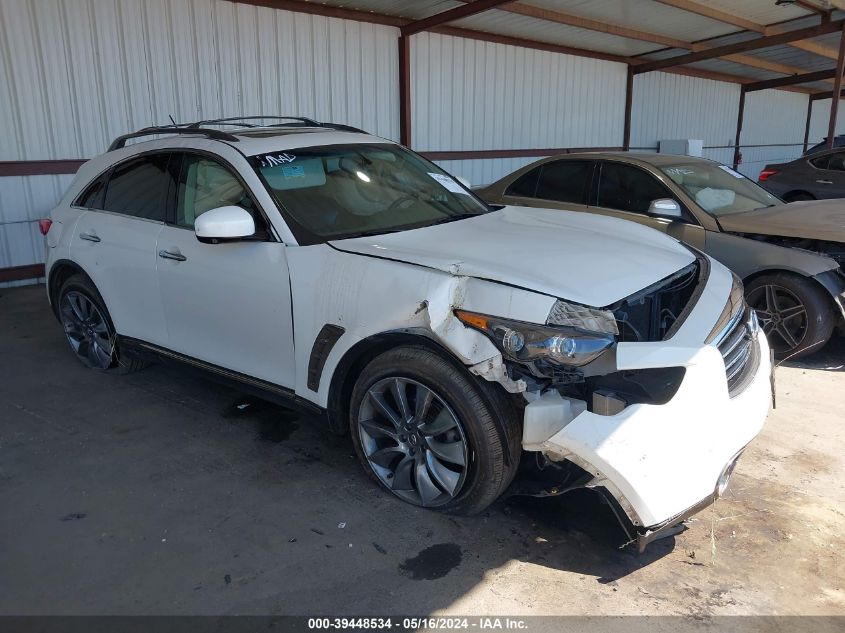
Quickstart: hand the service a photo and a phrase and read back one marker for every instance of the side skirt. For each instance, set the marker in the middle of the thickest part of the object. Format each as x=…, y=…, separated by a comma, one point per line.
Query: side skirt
x=254, y=386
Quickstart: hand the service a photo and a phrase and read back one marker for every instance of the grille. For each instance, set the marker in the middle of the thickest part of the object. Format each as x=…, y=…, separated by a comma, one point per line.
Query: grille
x=740, y=351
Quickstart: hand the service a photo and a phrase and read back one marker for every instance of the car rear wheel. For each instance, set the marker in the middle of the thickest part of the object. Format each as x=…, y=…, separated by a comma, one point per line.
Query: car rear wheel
x=428, y=432
x=89, y=329
x=794, y=312
x=795, y=197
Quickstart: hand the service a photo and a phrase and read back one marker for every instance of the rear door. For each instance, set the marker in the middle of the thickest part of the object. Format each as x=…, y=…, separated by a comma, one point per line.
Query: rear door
x=828, y=179
x=226, y=304
x=560, y=184
x=626, y=191
x=115, y=242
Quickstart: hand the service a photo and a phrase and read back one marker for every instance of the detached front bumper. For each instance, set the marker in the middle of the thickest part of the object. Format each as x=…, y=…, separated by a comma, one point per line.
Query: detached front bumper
x=663, y=463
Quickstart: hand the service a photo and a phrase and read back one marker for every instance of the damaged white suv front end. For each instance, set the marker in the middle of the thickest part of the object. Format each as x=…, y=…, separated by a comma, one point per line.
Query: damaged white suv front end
x=663, y=429
x=650, y=397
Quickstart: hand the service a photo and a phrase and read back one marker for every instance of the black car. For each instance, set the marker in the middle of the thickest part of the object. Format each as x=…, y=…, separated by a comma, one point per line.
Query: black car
x=838, y=141
x=815, y=176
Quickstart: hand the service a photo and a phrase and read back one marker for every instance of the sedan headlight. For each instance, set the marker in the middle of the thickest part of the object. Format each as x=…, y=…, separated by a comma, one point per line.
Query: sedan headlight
x=527, y=342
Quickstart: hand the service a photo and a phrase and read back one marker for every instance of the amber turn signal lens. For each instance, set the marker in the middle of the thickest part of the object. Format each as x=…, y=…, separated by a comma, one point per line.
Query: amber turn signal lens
x=475, y=320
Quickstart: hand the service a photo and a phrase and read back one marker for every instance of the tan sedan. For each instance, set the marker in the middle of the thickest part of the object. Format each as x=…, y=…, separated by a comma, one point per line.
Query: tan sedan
x=788, y=255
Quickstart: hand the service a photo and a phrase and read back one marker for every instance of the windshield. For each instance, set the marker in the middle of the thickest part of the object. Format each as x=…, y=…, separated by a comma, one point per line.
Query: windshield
x=340, y=191
x=718, y=189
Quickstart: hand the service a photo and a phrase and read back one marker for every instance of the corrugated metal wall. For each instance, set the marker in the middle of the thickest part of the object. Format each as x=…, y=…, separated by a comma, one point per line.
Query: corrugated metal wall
x=667, y=106
x=76, y=73
x=774, y=121
x=472, y=95
x=820, y=119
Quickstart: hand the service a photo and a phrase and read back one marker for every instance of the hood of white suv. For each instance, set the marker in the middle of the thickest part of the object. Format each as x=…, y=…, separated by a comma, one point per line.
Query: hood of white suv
x=590, y=259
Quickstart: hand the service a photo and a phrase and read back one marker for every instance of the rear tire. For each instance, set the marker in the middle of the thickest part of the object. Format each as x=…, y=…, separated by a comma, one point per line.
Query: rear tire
x=89, y=329
x=431, y=433
x=798, y=196
x=795, y=313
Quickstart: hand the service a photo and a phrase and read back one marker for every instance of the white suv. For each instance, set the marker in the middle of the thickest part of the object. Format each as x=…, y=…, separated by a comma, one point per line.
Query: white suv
x=342, y=272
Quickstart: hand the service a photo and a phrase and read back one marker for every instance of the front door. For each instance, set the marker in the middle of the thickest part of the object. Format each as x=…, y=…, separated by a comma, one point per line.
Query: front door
x=227, y=304
x=626, y=191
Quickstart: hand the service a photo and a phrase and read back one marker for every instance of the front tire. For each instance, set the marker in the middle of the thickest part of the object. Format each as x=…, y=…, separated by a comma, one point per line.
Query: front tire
x=89, y=329
x=428, y=432
x=794, y=312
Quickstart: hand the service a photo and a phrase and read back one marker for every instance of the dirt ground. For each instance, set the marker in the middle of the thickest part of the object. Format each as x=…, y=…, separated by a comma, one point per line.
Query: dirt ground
x=161, y=493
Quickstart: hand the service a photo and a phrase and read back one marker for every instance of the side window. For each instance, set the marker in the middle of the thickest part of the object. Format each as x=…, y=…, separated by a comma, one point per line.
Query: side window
x=820, y=162
x=525, y=185
x=629, y=188
x=92, y=196
x=565, y=181
x=138, y=188
x=836, y=162
x=205, y=184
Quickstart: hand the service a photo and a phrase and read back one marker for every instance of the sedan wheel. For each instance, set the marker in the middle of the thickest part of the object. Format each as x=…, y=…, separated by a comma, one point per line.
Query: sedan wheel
x=782, y=316
x=796, y=313
x=87, y=331
x=413, y=441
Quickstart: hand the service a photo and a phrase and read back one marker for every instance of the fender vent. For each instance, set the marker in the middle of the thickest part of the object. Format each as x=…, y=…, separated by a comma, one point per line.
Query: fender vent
x=323, y=344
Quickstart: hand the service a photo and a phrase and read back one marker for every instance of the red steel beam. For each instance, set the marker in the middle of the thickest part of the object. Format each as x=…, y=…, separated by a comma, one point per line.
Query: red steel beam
x=741, y=113
x=405, y=90
x=20, y=273
x=629, y=100
x=444, y=17
x=837, y=88
x=742, y=47
x=513, y=153
x=39, y=167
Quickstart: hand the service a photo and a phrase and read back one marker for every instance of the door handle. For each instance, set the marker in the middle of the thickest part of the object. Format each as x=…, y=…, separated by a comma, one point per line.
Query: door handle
x=89, y=237
x=825, y=182
x=177, y=257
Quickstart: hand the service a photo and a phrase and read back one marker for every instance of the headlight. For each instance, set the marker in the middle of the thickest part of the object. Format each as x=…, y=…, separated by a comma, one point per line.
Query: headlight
x=582, y=317
x=527, y=342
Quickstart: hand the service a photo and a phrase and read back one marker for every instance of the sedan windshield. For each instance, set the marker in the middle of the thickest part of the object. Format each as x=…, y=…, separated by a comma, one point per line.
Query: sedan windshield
x=341, y=191
x=718, y=189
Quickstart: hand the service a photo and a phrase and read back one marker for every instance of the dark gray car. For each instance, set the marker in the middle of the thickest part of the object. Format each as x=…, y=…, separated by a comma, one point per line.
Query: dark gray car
x=812, y=177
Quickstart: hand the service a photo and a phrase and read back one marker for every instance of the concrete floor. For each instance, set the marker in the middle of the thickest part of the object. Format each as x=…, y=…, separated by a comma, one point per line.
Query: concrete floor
x=155, y=493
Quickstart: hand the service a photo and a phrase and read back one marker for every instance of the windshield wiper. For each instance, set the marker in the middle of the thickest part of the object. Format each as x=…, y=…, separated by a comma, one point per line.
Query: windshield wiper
x=347, y=236
x=453, y=218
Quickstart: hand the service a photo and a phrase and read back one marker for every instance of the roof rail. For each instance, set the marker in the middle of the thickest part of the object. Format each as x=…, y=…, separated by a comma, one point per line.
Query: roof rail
x=294, y=121
x=198, y=128
x=238, y=119
x=220, y=135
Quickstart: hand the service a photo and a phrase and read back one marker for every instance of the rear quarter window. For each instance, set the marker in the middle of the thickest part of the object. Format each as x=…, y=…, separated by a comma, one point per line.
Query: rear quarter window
x=92, y=196
x=138, y=188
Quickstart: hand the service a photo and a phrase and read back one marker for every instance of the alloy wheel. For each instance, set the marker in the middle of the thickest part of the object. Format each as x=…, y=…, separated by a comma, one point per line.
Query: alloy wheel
x=87, y=331
x=413, y=441
x=782, y=316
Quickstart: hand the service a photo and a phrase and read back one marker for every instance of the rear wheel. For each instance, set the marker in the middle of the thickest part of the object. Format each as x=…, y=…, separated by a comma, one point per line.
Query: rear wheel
x=796, y=196
x=794, y=312
x=430, y=434
x=88, y=328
